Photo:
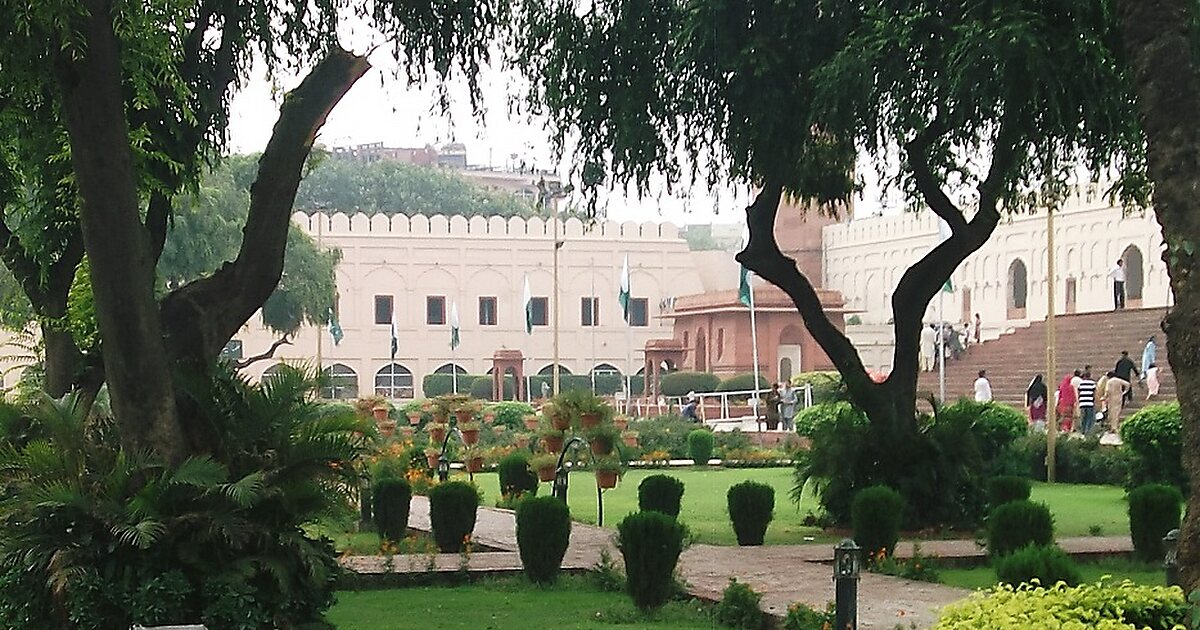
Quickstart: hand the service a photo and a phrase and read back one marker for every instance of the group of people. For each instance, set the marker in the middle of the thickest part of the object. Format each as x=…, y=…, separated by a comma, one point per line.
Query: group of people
x=1080, y=402
x=781, y=405
x=954, y=342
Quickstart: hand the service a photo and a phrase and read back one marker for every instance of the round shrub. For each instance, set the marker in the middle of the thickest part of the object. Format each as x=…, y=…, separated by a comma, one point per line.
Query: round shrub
x=1152, y=437
x=511, y=414
x=739, y=607
x=1006, y=489
x=742, y=383
x=825, y=414
x=391, y=502
x=700, y=446
x=515, y=476
x=751, y=508
x=876, y=515
x=995, y=425
x=1102, y=605
x=1153, y=511
x=650, y=543
x=452, y=508
x=680, y=383
x=660, y=493
x=826, y=386
x=1048, y=564
x=543, y=533
x=1018, y=524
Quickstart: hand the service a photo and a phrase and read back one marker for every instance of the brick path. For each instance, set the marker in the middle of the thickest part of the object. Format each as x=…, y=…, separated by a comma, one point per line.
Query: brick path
x=782, y=573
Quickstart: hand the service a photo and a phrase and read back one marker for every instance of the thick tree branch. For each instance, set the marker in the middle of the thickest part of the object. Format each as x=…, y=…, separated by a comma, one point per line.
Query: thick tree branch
x=158, y=214
x=917, y=154
x=23, y=266
x=285, y=340
x=202, y=315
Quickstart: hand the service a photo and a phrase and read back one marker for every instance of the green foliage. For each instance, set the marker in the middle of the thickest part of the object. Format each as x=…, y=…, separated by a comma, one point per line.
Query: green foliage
x=700, y=444
x=664, y=433
x=919, y=567
x=751, y=507
x=1005, y=489
x=810, y=419
x=1152, y=436
x=433, y=385
x=1103, y=606
x=516, y=478
x=1153, y=511
x=876, y=515
x=1075, y=461
x=1048, y=564
x=1018, y=524
x=741, y=383
x=452, y=508
x=680, y=383
x=390, y=503
x=827, y=387
x=543, y=533
x=512, y=414
x=994, y=425
x=739, y=607
x=660, y=493
x=650, y=543
x=280, y=460
x=801, y=617
x=481, y=388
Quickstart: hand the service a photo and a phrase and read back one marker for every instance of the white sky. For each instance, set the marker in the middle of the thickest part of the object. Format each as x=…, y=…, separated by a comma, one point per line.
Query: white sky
x=382, y=108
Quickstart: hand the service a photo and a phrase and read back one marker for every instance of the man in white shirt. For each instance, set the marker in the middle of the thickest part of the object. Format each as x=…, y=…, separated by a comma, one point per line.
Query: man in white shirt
x=983, y=388
x=1118, y=277
x=928, y=348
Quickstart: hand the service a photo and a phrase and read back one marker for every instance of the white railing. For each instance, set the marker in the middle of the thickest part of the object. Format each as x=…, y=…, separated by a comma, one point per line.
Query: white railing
x=676, y=403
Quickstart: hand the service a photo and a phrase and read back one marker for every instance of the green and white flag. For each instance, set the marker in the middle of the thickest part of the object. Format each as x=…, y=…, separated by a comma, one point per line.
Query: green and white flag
x=623, y=296
x=527, y=298
x=454, y=325
x=335, y=329
x=745, y=294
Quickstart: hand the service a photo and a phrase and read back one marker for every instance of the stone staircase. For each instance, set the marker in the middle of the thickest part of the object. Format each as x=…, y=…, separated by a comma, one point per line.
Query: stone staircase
x=1095, y=339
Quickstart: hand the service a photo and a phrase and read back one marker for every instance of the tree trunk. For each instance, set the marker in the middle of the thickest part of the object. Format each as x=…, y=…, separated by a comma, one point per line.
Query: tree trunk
x=122, y=269
x=1159, y=38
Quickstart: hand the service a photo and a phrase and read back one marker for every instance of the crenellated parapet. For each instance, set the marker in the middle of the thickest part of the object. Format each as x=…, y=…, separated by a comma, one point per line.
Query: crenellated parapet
x=361, y=224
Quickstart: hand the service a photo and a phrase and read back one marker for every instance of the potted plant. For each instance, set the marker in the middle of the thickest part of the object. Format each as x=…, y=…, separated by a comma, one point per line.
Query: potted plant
x=380, y=411
x=531, y=422
x=607, y=471
x=545, y=466
x=466, y=410
x=473, y=459
x=470, y=432
x=552, y=440
x=521, y=440
x=407, y=432
x=602, y=439
x=592, y=410
x=499, y=429
x=558, y=415
x=630, y=438
x=437, y=432
x=489, y=415
x=431, y=457
x=414, y=417
x=621, y=422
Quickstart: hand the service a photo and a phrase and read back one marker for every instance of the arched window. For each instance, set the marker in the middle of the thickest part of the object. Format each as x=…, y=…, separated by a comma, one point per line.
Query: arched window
x=450, y=368
x=549, y=370
x=1135, y=274
x=394, y=381
x=342, y=383
x=272, y=372
x=1018, y=286
x=605, y=369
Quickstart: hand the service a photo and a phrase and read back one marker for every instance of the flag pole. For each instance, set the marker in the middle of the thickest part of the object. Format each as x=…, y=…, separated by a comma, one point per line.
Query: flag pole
x=754, y=345
x=941, y=345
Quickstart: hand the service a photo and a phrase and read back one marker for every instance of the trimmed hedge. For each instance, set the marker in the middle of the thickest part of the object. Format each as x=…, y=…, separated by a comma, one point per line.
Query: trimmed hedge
x=1006, y=489
x=741, y=383
x=1102, y=606
x=660, y=493
x=1153, y=511
x=876, y=515
x=809, y=420
x=511, y=414
x=739, y=607
x=515, y=476
x=680, y=383
x=452, y=509
x=438, y=384
x=650, y=543
x=1019, y=524
x=391, y=501
x=1152, y=437
x=1048, y=564
x=700, y=444
x=751, y=508
x=543, y=534
x=994, y=425
x=481, y=388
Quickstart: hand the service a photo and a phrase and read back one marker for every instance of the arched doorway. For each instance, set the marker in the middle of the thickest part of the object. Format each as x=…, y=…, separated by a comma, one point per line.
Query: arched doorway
x=394, y=381
x=788, y=359
x=1018, y=289
x=1135, y=275
x=1072, y=295
x=701, y=352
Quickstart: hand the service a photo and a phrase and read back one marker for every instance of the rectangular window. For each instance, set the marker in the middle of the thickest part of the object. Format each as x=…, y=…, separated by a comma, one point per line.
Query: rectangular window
x=720, y=342
x=541, y=311
x=487, y=311
x=639, y=312
x=589, y=311
x=435, y=310
x=383, y=309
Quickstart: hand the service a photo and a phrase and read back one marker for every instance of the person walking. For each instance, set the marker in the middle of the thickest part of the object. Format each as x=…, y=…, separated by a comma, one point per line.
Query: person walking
x=1117, y=274
x=983, y=387
x=1102, y=397
x=978, y=329
x=1151, y=381
x=1115, y=391
x=1149, y=355
x=1065, y=405
x=1035, y=403
x=1087, y=403
x=1126, y=371
x=787, y=406
x=928, y=348
x=1075, y=380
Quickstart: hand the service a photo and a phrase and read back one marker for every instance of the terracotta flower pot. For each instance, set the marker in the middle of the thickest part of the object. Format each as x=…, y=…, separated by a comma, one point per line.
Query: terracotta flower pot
x=489, y=418
x=606, y=478
x=386, y=428
x=432, y=460
x=380, y=413
x=437, y=436
x=464, y=415
x=475, y=464
x=546, y=473
x=521, y=441
x=601, y=447
x=440, y=418
x=498, y=429
x=562, y=422
x=553, y=444
x=621, y=423
x=414, y=418
x=470, y=436
x=589, y=420
x=531, y=423
x=631, y=441
x=407, y=432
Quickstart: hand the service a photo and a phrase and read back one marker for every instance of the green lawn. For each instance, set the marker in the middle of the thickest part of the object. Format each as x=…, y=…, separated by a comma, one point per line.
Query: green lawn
x=507, y=603
x=1150, y=574
x=1077, y=508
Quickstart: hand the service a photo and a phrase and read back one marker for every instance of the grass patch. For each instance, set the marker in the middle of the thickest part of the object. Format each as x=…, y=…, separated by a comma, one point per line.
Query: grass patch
x=1149, y=574
x=508, y=603
x=1077, y=508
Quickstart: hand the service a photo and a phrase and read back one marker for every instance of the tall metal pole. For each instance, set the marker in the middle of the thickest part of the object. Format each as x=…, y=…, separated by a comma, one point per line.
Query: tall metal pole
x=941, y=346
x=554, y=211
x=320, y=333
x=754, y=344
x=1051, y=368
x=595, y=322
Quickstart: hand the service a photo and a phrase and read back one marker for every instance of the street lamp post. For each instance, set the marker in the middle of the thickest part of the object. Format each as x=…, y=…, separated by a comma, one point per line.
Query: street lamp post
x=1051, y=403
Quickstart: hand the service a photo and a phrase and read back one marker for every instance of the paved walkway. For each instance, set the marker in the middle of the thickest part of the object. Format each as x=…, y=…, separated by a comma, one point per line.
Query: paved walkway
x=782, y=573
